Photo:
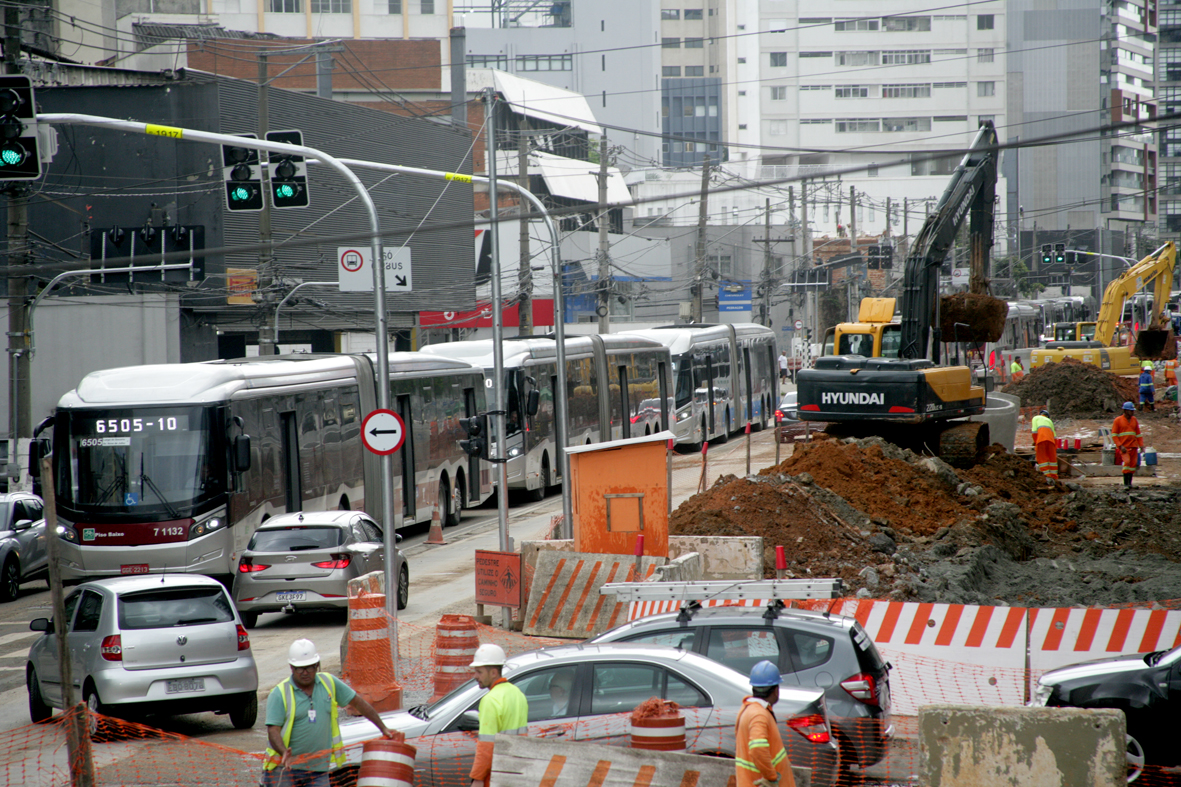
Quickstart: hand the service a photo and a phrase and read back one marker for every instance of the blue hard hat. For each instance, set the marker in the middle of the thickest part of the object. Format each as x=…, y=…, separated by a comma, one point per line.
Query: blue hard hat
x=763, y=675
x=1129, y=406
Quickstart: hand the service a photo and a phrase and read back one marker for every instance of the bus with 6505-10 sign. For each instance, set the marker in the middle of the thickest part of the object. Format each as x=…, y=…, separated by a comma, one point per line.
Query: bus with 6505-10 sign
x=171, y=468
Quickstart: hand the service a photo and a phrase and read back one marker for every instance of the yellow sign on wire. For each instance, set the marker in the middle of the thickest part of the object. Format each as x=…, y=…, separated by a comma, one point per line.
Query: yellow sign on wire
x=164, y=131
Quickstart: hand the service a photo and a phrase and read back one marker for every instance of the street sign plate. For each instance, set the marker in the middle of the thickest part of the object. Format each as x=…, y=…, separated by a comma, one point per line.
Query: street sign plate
x=383, y=432
x=355, y=274
x=799, y=325
x=498, y=578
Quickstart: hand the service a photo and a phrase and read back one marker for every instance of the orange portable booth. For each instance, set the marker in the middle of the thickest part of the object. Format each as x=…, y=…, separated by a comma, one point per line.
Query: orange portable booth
x=619, y=491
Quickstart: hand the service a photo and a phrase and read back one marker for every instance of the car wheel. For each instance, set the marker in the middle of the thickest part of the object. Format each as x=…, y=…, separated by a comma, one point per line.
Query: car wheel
x=245, y=713
x=39, y=711
x=249, y=619
x=538, y=494
x=99, y=728
x=10, y=580
x=403, y=587
x=1136, y=758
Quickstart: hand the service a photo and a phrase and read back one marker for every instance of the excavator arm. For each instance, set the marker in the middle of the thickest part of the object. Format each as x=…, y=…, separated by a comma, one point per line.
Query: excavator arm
x=972, y=188
x=1157, y=269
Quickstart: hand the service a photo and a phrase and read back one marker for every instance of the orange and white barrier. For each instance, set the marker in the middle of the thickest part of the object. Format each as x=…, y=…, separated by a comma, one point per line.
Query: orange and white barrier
x=387, y=763
x=369, y=666
x=456, y=640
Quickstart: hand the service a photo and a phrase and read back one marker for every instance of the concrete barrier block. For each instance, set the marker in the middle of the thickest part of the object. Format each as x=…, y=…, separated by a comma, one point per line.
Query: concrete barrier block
x=686, y=568
x=722, y=557
x=965, y=746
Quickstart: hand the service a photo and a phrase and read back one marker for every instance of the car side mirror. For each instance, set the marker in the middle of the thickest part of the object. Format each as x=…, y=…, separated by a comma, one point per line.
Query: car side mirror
x=397, y=538
x=22, y=524
x=533, y=402
x=41, y=624
x=469, y=721
x=242, y=453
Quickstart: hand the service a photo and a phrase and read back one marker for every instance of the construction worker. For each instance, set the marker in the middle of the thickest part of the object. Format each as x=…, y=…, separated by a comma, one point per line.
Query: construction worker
x=503, y=709
x=1147, y=387
x=1016, y=371
x=1045, y=444
x=1171, y=372
x=302, y=718
x=1128, y=441
x=760, y=759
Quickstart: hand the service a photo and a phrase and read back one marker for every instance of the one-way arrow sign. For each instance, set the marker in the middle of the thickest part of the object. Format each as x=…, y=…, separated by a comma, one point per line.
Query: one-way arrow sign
x=383, y=432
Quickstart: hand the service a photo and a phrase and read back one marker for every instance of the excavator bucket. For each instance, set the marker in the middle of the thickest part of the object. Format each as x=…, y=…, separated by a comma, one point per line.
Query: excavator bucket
x=969, y=317
x=1156, y=344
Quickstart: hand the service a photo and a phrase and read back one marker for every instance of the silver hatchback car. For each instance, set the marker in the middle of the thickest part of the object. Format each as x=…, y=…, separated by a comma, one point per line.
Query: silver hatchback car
x=167, y=644
x=303, y=561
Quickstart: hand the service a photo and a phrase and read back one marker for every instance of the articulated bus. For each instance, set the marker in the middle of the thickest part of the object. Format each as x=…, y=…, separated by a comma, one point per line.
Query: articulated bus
x=173, y=467
x=725, y=375
x=615, y=383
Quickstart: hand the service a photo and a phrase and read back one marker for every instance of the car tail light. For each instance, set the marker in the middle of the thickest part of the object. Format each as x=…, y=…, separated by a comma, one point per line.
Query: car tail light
x=243, y=638
x=248, y=566
x=337, y=561
x=812, y=727
x=862, y=687
x=112, y=647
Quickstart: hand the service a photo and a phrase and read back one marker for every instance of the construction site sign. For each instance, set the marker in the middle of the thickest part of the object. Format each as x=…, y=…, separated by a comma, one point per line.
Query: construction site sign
x=498, y=578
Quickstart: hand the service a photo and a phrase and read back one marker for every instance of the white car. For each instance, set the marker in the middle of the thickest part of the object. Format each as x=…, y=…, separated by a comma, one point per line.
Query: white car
x=24, y=555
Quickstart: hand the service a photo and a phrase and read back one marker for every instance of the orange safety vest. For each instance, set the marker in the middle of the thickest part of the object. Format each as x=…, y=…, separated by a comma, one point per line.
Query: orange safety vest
x=1126, y=432
x=759, y=752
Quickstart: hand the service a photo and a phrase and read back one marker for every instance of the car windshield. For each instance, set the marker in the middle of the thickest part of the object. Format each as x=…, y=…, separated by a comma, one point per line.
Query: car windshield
x=296, y=539
x=157, y=609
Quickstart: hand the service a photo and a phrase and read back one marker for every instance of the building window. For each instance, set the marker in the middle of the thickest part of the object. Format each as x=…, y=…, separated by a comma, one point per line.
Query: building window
x=741, y=60
x=815, y=121
x=939, y=85
x=777, y=128
x=742, y=127
x=906, y=124
x=985, y=55
x=478, y=61
x=742, y=92
x=426, y=7
x=693, y=15
x=951, y=119
x=857, y=58
x=906, y=57
x=778, y=93
x=776, y=25
x=906, y=24
x=670, y=71
x=332, y=6
x=850, y=126
x=670, y=43
x=985, y=22
x=985, y=89
x=815, y=20
x=989, y=118
x=815, y=54
x=296, y=7
x=670, y=13
x=545, y=62
x=906, y=91
x=778, y=59
x=694, y=43
x=852, y=91
x=850, y=25
x=694, y=71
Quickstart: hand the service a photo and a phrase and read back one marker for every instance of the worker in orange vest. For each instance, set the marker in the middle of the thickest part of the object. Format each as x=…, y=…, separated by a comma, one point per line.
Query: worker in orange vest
x=1128, y=441
x=759, y=758
x=1171, y=372
x=1016, y=371
x=1045, y=444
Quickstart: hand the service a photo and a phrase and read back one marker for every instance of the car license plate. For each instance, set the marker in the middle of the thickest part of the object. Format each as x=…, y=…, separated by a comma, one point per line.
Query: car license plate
x=290, y=595
x=133, y=568
x=185, y=685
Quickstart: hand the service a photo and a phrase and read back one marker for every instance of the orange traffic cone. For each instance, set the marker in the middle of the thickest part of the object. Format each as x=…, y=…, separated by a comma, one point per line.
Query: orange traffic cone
x=436, y=534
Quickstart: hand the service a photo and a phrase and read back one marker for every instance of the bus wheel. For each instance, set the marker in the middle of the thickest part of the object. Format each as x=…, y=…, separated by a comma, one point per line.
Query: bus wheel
x=455, y=504
x=538, y=494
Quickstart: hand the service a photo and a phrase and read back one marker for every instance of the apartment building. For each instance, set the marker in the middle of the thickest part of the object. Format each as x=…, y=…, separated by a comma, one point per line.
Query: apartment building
x=1168, y=93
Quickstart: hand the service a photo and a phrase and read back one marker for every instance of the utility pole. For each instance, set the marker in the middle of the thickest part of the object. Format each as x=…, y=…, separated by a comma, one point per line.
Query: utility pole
x=889, y=218
x=698, y=287
x=19, y=256
x=807, y=250
x=525, y=272
x=769, y=279
x=604, y=245
x=854, y=271
x=266, y=256
x=906, y=226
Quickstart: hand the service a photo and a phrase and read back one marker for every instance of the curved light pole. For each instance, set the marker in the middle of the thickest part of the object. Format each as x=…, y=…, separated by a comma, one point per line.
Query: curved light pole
x=288, y=296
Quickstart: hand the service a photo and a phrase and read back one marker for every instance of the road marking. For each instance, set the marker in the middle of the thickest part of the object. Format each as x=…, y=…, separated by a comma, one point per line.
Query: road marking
x=14, y=637
x=16, y=654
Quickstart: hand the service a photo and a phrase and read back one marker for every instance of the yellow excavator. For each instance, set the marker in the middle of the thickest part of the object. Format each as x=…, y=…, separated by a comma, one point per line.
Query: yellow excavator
x=1154, y=342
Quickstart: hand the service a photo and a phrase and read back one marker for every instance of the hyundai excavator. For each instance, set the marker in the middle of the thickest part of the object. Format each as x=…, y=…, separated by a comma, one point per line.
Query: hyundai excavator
x=895, y=387
x=1155, y=340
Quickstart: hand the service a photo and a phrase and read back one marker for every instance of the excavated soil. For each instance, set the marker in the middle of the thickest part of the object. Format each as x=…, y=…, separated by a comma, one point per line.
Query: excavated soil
x=893, y=524
x=1075, y=389
x=971, y=317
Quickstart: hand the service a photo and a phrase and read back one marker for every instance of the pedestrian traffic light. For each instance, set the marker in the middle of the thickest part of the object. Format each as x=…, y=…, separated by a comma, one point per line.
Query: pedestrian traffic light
x=19, y=156
x=1047, y=254
x=476, y=429
x=243, y=176
x=1060, y=253
x=289, y=172
x=887, y=257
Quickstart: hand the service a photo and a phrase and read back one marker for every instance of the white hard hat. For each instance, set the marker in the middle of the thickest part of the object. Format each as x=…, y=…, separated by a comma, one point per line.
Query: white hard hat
x=489, y=655
x=302, y=653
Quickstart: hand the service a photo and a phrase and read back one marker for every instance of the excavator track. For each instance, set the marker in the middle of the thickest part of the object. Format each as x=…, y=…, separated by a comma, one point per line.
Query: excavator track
x=959, y=443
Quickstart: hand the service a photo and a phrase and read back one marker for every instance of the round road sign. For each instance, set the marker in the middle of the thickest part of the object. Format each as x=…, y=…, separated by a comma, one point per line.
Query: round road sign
x=352, y=260
x=799, y=325
x=383, y=432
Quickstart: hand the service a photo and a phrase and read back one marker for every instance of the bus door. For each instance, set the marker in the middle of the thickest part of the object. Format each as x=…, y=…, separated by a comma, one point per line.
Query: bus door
x=667, y=409
x=473, y=463
x=557, y=428
x=625, y=410
x=292, y=488
x=710, y=398
x=750, y=391
x=409, y=482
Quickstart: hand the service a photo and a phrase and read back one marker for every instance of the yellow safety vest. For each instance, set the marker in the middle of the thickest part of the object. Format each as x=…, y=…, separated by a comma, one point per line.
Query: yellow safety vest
x=287, y=691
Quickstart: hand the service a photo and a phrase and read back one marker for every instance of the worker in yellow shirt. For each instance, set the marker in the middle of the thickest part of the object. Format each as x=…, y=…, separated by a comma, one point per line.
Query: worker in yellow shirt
x=503, y=709
x=760, y=759
x=1016, y=371
x=1045, y=443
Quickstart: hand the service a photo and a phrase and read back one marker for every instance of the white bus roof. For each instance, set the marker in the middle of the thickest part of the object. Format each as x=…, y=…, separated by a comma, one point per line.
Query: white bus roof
x=679, y=338
x=520, y=350
x=216, y=381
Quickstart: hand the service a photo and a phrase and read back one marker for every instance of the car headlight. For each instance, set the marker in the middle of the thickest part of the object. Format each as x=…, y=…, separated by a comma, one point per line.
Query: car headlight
x=1041, y=695
x=205, y=527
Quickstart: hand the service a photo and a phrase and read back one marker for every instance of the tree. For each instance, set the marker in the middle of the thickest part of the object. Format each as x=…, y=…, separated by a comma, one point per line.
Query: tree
x=1025, y=286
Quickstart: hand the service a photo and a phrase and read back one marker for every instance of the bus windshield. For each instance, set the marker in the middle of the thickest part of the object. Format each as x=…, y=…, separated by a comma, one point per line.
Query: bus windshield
x=145, y=460
x=683, y=369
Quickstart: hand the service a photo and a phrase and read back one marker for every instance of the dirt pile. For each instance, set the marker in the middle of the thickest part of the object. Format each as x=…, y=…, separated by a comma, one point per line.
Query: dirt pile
x=971, y=317
x=897, y=525
x=1074, y=389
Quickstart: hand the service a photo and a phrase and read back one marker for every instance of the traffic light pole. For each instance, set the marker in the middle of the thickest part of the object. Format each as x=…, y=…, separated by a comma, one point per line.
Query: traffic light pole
x=389, y=522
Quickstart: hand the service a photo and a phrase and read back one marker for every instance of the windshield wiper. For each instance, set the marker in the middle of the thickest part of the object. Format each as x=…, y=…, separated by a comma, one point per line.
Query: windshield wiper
x=419, y=712
x=191, y=621
x=144, y=479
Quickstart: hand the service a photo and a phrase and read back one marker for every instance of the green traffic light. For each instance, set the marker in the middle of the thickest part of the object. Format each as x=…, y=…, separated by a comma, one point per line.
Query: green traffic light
x=12, y=156
x=284, y=191
x=240, y=194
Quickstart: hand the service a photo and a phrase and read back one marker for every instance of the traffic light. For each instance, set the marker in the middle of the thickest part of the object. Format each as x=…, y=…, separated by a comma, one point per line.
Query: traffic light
x=19, y=157
x=243, y=176
x=1060, y=253
x=887, y=257
x=476, y=429
x=874, y=257
x=289, y=173
x=1071, y=259
x=1047, y=254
